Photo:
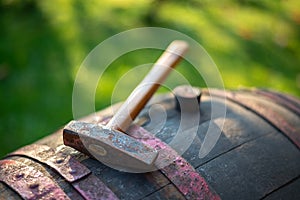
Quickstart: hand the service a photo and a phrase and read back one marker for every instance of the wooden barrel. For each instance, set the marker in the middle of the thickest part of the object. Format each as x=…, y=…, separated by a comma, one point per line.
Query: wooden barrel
x=256, y=156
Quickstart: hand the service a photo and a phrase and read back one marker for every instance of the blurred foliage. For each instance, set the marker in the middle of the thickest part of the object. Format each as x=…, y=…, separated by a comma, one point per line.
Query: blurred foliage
x=42, y=44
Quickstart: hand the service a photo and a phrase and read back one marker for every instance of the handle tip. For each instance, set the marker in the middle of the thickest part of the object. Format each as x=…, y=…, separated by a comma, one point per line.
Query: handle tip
x=178, y=47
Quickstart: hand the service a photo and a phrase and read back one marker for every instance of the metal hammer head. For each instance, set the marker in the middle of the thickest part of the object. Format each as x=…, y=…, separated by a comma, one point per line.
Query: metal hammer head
x=111, y=147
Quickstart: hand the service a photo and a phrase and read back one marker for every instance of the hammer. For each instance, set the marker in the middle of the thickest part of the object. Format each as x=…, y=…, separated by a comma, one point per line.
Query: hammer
x=109, y=143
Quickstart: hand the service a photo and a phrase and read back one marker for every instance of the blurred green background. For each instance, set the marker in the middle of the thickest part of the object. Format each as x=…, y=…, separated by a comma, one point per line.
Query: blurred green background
x=42, y=44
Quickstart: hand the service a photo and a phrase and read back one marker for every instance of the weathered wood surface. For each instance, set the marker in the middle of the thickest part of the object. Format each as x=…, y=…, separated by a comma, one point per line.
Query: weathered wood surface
x=251, y=160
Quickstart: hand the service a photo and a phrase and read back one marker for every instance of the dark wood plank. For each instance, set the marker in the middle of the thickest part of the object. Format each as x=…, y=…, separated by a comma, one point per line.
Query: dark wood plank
x=238, y=129
x=167, y=192
x=254, y=169
x=7, y=193
x=240, y=126
x=290, y=192
x=132, y=185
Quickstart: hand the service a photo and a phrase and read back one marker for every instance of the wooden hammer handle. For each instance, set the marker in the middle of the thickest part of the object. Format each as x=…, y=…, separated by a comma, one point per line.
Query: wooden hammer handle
x=144, y=91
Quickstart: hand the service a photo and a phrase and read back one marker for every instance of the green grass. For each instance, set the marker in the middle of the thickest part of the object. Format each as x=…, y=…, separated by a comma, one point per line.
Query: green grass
x=42, y=44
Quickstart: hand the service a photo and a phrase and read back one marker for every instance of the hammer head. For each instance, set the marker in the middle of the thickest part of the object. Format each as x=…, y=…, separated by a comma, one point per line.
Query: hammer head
x=111, y=147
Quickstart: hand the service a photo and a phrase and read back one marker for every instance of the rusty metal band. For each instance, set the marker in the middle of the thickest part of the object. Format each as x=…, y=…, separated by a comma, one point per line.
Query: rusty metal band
x=270, y=114
x=28, y=182
x=287, y=101
x=187, y=180
x=92, y=188
x=88, y=185
x=65, y=165
x=290, y=98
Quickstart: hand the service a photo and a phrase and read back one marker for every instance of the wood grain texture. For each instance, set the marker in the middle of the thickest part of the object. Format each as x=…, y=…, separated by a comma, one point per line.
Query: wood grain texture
x=239, y=174
x=289, y=191
x=167, y=192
